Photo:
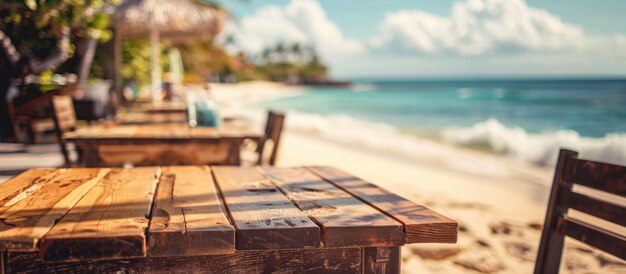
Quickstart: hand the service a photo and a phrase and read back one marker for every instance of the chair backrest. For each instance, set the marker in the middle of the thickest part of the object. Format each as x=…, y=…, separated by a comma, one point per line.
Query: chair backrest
x=14, y=121
x=273, y=130
x=64, y=115
x=64, y=120
x=604, y=177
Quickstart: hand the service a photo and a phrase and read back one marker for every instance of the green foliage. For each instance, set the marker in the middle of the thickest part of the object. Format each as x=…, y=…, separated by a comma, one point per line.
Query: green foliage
x=204, y=58
x=35, y=25
x=280, y=63
x=136, y=61
x=283, y=62
x=307, y=72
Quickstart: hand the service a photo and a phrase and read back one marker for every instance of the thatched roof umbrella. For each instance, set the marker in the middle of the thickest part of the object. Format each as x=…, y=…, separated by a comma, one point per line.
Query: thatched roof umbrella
x=168, y=20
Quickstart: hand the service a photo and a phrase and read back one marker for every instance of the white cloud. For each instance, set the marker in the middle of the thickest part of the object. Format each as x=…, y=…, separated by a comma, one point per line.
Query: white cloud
x=302, y=21
x=481, y=27
x=479, y=37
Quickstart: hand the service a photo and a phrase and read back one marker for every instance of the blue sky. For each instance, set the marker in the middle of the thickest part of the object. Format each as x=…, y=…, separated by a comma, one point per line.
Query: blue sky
x=409, y=38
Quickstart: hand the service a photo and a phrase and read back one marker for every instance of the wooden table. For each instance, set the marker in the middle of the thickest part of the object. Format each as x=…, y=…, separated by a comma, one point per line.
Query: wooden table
x=158, y=144
x=139, y=118
x=208, y=219
x=163, y=107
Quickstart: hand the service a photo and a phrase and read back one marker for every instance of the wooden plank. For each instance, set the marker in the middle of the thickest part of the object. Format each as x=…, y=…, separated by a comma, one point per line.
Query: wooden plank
x=147, y=118
x=109, y=221
x=264, y=218
x=162, y=131
x=165, y=154
x=64, y=112
x=23, y=181
x=24, y=185
x=188, y=218
x=602, y=209
x=602, y=176
x=381, y=260
x=345, y=220
x=597, y=237
x=25, y=222
x=204, y=132
x=167, y=225
x=421, y=225
x=326, y=260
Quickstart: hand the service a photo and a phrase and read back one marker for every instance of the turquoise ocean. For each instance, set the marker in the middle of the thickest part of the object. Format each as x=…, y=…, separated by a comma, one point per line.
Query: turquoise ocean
x=527, y=119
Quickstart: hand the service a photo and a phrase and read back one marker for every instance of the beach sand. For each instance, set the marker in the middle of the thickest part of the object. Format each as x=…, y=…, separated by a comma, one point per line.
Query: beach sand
x=498, y=202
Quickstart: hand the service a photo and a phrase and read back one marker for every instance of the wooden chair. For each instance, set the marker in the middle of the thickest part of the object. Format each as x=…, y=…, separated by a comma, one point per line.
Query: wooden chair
x=600, y=176
x=35, y=123
x=273, y=130
x=64, y=121
x=35, y=114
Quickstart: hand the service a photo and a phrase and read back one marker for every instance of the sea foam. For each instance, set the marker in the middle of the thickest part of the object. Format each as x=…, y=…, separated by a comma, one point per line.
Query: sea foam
x=540, y=148
x=491, y=135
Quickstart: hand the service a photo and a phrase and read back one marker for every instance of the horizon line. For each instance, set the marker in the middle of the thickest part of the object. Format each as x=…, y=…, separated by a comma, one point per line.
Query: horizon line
x=487, y=77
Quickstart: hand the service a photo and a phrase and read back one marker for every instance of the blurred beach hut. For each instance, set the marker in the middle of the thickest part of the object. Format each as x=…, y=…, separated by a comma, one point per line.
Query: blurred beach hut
x=162, y=21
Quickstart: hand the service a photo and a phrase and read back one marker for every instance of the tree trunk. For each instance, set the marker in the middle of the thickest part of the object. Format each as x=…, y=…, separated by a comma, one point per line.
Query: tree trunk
x=86, y=58
x=8, y=50
x=9, y=58
x=11, y=68
x=59, y=57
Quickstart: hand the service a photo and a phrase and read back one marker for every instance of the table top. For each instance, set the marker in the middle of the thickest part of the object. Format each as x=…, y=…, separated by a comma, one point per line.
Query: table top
x=113, y=213
x=136, y=118
x=163, y=107
x=162, y=132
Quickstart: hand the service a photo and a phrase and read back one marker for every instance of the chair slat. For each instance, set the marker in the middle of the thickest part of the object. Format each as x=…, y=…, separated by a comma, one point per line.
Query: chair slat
x=273, y=130
x=602, y=176
x=64, y=121
x=596, y=207
x=597, y=237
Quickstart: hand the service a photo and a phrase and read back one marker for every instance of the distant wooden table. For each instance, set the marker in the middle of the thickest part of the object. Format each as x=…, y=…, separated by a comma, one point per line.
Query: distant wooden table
x=163, y=107
x=158, y=144
x=138, y=118
x=208, y=219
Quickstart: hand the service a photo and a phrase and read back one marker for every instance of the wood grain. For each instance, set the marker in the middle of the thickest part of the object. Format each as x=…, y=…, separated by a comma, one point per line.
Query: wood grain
x=158, y=144
x=149, y=118
x=156, y=133
x=326, y=260
x=64, y=115
x=551, y=243
x=421, y=225
x=164, y=154
x=381, y=260
x=602, y=239
x=607, y=210
x=345, y=220
x=188, y=218
x=22, y=182
x=167, y=225
x=24, y=223
x=164, y=107
x=109, y=221
x=263, y=216
x=603, y=176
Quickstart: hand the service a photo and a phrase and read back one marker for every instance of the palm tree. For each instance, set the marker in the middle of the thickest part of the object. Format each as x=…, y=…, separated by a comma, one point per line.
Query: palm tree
x=266, y=54
x=296, y=51
x=281, y=51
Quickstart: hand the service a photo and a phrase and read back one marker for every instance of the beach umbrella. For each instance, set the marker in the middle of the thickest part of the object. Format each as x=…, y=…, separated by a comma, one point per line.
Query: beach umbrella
x=164, y=20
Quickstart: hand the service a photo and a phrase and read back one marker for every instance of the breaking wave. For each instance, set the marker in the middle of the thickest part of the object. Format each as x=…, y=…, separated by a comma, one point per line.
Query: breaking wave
x=491, y=135
x=540, y=148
